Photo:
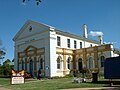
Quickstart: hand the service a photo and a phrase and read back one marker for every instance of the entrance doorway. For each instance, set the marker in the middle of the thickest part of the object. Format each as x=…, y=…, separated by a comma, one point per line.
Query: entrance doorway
x=31, y=67
x=79, y=64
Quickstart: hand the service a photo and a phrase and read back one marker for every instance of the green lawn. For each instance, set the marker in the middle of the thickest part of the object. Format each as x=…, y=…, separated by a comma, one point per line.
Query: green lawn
x=47, y=84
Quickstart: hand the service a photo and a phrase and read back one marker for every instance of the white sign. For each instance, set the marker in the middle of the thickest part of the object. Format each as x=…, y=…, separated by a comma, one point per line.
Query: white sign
x=17, y=80
x=17, y=77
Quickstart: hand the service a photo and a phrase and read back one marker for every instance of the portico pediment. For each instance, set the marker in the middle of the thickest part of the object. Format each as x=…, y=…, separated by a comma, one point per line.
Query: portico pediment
x=31, y=28
x=30, y=48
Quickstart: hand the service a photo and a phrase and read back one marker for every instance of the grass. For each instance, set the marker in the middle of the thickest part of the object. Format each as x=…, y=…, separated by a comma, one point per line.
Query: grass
x=48, y=84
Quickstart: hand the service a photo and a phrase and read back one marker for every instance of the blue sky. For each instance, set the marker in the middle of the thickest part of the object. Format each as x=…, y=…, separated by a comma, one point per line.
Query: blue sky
x=67, y=15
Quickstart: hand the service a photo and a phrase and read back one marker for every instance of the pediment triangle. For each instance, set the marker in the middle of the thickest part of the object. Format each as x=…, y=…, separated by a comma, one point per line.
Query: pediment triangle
x=30, y=28
x=29, y=48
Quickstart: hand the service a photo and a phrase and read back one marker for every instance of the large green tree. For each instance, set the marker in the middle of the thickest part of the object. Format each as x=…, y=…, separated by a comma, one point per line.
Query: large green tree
x=6, y=68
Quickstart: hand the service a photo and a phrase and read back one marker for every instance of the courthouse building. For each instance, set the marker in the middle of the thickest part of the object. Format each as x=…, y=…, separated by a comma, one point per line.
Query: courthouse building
x=56, y=52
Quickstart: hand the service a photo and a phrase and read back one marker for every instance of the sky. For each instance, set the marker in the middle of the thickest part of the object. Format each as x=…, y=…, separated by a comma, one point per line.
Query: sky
x=67, y=15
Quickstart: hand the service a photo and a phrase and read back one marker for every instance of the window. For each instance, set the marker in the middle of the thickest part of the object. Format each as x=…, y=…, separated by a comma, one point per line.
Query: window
x=90, y=45
x=22, y=65
x=68, y=62
x=25, y=64
x=90, y=63
x=102, y=58
x=68, y=43
x=58, y=41
x=30, y=28
x=41, y=63
x=80, y=44
x=58, y=62
x=79, y=64
x=75, y=44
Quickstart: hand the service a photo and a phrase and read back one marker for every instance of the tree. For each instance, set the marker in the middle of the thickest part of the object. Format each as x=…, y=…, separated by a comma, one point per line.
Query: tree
x=6, y=67
x=117, y=51
x=2, y=52
x=37, y=1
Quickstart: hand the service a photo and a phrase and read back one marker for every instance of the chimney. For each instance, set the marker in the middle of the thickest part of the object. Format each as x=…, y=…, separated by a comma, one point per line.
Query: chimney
x=85, y=31
x=100, y=39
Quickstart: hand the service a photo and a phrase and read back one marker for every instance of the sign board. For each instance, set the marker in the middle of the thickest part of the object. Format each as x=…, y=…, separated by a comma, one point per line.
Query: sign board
x=111, y=68
x=17, y=77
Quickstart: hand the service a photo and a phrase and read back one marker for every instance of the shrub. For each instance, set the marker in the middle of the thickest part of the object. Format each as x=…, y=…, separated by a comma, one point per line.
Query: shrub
x=68, y=76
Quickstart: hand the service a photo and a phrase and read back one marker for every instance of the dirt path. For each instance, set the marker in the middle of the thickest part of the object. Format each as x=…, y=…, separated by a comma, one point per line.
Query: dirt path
x=103, y=88
x=2, y=88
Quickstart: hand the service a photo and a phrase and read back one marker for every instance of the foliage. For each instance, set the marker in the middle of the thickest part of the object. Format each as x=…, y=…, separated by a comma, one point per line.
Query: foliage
x=5, y=69
x=1, y=70
x=68, y=76
x=117, y=51
x=2, y=54
x=37, y=1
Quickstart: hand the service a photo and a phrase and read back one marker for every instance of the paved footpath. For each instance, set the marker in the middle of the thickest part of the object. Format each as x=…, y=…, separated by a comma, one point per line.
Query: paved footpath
x=2, y=88
x=102, y=88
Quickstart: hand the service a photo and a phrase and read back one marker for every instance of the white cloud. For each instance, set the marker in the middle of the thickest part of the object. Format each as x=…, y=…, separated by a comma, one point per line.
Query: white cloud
x=92, y=33
x=110, y=42
x=24, y=4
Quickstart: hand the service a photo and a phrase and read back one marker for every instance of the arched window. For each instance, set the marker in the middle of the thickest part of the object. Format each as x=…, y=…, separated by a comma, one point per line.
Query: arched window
x=68, y=62
x=58, y=62
x=41, y=63
x=79, y=64
x=90, y=63
x=22, y=64
x=102, y=58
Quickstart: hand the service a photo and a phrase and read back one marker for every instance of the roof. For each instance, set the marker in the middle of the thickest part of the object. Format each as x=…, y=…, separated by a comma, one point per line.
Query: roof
x=75, y=36
x=58, y=31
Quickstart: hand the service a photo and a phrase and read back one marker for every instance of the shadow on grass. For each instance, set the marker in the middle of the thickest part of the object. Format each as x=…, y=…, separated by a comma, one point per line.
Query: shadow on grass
x=108, y=82
x=109, y=85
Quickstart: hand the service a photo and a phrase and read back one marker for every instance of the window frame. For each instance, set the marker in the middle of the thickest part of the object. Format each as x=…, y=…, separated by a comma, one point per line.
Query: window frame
x=90, y=62
x=75, y=44
x=41, y=63
x=102, y=58
x=58, y=41
x=59, y=63
x=69, y=62
x=81, y=45
x=22, y=64
x=68, y=43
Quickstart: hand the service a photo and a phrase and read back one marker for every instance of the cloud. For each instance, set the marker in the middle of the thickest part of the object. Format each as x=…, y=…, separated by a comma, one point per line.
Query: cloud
x=110, y=42
x=92, y=33
x=23, y=3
